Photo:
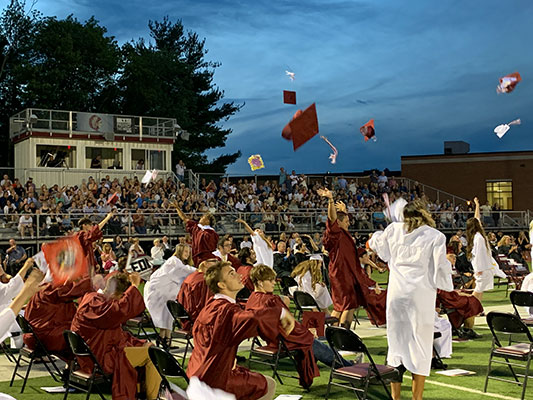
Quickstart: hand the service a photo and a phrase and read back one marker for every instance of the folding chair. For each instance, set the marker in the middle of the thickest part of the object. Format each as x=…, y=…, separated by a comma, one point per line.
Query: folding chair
x=267, y=355
x=506, y=325
x=522, y=299
x=143, y=327
x=180, y=314
x=359, y=376
x=306, y=302
x=166, y=365
x=7, y=351
x=79, y=379
x=287, y=282
x=243, y=295
x=30, y=356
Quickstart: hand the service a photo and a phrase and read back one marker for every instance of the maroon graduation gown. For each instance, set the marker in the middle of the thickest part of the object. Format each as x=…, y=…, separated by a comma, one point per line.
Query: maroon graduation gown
x=218, y=331
x=244, y=271
x=299, y=339
x=203, y=240
x=87, y=239
x=50, y=311
x=193, y=296
x=99, y=321
x=464, y=306
x=349, y=282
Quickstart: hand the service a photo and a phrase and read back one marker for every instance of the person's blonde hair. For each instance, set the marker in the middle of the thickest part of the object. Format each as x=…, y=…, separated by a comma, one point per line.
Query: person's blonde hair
x=107, y=248
x=315, y=269
x=415, y=215
x=261, y=272
x=178, y=252
x=503, y=240
x=156, y=241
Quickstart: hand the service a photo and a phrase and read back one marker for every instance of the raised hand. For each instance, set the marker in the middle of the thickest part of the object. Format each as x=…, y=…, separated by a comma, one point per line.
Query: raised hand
x=325, y=193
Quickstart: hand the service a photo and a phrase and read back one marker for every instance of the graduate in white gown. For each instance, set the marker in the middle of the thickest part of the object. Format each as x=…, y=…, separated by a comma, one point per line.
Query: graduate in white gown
x=478, y=251
x=308, y=275
x=264, y=253
x=416, y=255
x=164, y=285
x=443, y=344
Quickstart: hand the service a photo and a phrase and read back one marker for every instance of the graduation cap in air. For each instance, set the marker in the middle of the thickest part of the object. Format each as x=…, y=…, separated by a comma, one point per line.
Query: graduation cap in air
x=65, y=259
x=508, y=83
x=368, y=131
x=502, y=129
x=256, y=162
x=289, y=97
x=302, y=127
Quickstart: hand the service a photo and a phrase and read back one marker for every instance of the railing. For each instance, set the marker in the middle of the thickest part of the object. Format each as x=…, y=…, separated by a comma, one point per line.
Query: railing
x=167, y=222
x=37, y=119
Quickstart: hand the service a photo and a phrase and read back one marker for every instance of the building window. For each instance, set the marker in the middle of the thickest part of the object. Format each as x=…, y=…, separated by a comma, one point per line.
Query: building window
x=138, y=159
x=501, y=193
x=110, y=157
x=157, y=159
x=56, y=156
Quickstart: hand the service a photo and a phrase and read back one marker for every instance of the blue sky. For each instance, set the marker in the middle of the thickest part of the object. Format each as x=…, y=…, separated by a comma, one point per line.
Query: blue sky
x=426, y=71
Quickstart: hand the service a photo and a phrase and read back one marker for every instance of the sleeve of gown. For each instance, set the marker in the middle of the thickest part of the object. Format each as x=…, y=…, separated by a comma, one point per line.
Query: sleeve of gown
x=378, y=242
x=9, y=290
x=440, y=269
x=93, y=235
x=7, y=318
x=192, y=227
x=246, y=324
x=331, y=235
x=74, y=290
x=130, y=305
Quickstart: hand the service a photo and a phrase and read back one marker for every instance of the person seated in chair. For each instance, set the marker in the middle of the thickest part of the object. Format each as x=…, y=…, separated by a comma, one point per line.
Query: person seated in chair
x=99, y=321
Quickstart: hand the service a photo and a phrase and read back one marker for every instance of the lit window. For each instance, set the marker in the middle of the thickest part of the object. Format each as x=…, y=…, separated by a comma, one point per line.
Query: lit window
x=501, y=193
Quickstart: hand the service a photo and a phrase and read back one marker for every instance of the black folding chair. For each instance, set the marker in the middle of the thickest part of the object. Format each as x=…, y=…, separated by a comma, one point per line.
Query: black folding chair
x=29, y=356
x=180, y=315
x=266, y=355
x=7, y=351
x=359, y=376
x=143, y=327
x=505, y=325
x=522, y=299
x=306, y=302
x=243, y=295
x=287, y=282
x=167, y=366
x=79, y=379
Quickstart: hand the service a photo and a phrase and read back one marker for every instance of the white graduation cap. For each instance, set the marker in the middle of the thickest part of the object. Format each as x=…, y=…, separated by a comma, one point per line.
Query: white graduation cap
x=502, y=129
x=394, y=211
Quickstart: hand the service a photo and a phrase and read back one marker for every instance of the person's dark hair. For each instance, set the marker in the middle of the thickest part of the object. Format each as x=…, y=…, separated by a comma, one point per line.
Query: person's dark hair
x=84, y=221
x=221, y=241
x=473, y=226
x=416, y=214
x=121, y=263
x=244, y=255
x=261, y=272
x=122, y=283
x=213, y=275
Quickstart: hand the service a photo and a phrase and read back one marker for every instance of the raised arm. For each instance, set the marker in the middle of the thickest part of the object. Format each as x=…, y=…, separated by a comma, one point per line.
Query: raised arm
x=332, y=212
x=181, y=214
x=105, y=220
x=477, y=213
x=246, y=226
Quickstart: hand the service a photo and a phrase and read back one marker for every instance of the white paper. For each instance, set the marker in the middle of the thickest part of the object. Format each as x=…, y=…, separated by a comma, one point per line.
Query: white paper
x=147, y=177
x=455, y=372
x=288, y=397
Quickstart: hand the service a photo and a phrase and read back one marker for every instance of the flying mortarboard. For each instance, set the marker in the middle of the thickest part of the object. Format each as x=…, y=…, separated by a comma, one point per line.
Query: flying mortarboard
x=502, y=129
x=508, y=83
x=256, y=162
x=289, y=97
x=368, y=131
x=302, y=127
x=66, y=259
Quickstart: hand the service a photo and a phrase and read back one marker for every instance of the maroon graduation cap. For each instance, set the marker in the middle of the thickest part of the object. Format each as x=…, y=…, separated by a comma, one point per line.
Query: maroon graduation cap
x=368, y=131
x=289, y=97
x=302, y=127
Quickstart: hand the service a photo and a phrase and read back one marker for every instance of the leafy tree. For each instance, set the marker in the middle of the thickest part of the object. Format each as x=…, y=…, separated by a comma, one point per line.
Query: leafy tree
x=171, y=78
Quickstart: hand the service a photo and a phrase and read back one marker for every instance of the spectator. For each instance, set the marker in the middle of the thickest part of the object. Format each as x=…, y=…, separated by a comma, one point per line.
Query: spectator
x=107, y=256
x=16, y=255
x=486, y=214
x=25, y=224
x=157, y=252
x=97, y=162
x=246, y=242
x=180, y=170
x=138, y=222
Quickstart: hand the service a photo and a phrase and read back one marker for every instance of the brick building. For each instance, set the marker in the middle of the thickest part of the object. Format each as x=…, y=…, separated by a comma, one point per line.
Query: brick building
x=505, y=178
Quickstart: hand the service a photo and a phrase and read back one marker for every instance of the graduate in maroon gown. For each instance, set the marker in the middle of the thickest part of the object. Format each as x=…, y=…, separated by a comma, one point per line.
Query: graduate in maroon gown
x=99, y=321
x=350, y=286
x=264, y=279
x=247, y=260
x=223, y=252
x=50, y=312
x=219, y=329
x=465, y=309
x=204, y=237
x=194, y=293
x=90, y=233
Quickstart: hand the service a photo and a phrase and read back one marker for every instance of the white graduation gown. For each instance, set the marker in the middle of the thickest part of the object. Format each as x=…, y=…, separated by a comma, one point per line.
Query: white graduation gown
x=7, y=318
x=164, y=285
x=418, y=267
x=8, y=292
x=483, y=262
x=263, y=252
x=443, y=345
x=321, y=294
x=527, y=286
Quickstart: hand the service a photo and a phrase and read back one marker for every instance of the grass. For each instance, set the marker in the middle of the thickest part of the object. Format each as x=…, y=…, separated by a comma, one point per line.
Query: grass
x=471, y=355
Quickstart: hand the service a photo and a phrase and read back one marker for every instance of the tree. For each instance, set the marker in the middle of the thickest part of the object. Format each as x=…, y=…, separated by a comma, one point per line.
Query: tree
x=171, y=78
